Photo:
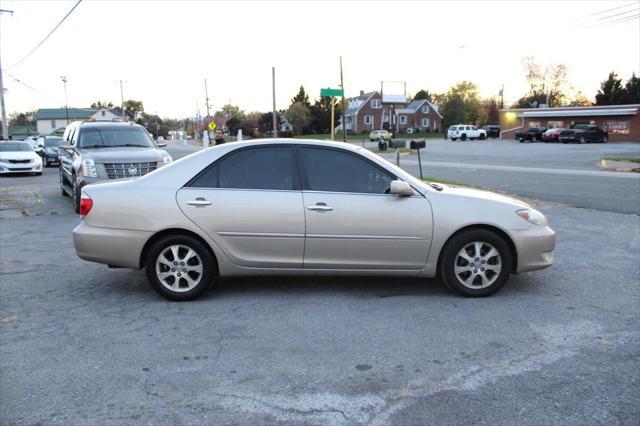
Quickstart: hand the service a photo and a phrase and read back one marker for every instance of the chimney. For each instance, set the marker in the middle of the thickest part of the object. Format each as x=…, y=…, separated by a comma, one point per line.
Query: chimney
x=361, y=92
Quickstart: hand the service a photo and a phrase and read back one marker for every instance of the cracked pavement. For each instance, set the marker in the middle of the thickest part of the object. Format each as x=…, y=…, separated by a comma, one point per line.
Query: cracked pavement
x=84, y=344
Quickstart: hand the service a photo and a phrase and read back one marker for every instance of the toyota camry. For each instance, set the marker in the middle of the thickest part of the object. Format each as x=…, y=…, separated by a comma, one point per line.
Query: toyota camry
x=302, y=207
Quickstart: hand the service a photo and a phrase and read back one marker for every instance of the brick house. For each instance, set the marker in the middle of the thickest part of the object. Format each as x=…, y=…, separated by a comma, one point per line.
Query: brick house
x=366, y=113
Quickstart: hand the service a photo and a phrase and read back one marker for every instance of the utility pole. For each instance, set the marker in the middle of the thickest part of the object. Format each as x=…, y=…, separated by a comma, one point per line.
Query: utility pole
x=122, y=97
x=502, y=97
x=5, y=125
x=273, y=85
x=206, y=97
x=344, y=125
x=66, y=108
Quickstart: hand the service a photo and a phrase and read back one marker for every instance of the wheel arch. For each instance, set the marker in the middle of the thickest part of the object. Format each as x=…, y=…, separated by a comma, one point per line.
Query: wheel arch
x=502, y=234
x=174, y=231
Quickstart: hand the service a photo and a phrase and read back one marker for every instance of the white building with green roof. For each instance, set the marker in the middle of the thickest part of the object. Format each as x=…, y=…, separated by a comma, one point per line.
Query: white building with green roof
x=49, y=120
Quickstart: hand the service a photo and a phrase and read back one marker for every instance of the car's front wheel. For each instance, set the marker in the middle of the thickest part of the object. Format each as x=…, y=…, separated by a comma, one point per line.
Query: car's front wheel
x=476, y=263
x=180, y=268
x=482, y=136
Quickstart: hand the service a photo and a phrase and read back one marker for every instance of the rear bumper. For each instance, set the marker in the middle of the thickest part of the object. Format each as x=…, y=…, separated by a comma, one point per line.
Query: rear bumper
x=117, y=247
x=535, y=247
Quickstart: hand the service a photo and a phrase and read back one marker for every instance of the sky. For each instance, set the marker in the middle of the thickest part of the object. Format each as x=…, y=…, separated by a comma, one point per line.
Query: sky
x=164, y=50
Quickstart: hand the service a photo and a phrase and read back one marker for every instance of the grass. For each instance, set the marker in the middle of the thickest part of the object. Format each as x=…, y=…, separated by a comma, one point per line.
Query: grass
x=629, y=159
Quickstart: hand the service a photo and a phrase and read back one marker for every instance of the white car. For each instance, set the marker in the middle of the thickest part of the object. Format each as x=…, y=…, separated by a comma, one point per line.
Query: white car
x=19, y=157
x=466, y=131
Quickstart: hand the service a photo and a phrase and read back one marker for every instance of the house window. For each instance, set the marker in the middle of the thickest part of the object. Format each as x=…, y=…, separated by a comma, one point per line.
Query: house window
x=368, y=119
x=534, y=124
x=555, y=124
x=403, y=119
x=616, y=127
x=53, y=124
x=425, y=122
x=375, y=103
x=425, y=109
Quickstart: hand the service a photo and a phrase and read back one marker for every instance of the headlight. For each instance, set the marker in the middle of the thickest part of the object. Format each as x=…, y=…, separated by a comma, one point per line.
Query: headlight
x=533, y=216
x=167, y=159
x=88, y=168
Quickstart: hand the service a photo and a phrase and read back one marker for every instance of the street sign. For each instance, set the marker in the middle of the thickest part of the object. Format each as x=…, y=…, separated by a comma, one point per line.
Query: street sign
x=213, y=125
x=331, y=92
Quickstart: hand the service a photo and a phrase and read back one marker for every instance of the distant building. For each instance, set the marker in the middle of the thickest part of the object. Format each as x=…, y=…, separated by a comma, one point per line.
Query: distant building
x=49, y=120
x=621, y=121
x=366, y=113
x=22, y=131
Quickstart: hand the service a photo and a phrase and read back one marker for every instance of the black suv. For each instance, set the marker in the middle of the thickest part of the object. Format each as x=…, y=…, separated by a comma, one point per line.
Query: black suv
x=94, y=151
x=493, y=130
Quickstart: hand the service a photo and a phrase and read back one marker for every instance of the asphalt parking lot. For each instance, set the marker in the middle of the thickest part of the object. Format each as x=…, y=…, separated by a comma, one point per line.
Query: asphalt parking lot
x=84, y=344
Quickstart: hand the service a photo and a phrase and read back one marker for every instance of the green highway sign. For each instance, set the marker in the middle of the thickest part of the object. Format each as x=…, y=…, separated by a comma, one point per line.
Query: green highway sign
x=331, y=92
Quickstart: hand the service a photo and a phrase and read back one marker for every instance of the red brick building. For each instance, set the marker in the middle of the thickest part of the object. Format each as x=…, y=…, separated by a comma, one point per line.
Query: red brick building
x=366, y=113
x=621, y=121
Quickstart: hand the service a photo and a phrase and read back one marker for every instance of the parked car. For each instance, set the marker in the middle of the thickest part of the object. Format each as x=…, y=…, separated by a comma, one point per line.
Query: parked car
x=51, y=154
x=551, y=135
x=96, y=151
x=584, y=133
x=376, y=135
x=532, y=134
x=33, y=141
x=277, y=206
x=19, y=157
x=465, y=131
x=493, y=131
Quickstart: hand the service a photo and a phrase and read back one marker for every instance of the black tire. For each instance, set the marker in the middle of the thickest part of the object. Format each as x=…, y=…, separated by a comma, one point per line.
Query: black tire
x=76, y=196
x=209, y=267
x=521, y=140
x=463, y=137
x=62, y=190
x=482, y=137
x=457, y=243
x=453, y=139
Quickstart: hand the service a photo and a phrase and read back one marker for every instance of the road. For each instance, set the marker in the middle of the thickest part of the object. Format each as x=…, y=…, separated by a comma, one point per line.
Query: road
x=84, y=344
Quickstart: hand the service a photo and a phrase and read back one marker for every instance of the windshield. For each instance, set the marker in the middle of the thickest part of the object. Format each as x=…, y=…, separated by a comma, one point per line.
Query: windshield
x=15, y=146
x=114, y=137
x=51, y=142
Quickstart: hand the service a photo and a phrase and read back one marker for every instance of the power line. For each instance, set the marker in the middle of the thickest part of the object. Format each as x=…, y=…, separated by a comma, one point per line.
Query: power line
x=22, y=82
x=626, y=12
x=48, y=35
x=608, y=10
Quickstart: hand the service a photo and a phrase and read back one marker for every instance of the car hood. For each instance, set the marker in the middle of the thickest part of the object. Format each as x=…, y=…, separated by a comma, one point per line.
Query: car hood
x=18, y=155
x=125, y=155
x=483, y=195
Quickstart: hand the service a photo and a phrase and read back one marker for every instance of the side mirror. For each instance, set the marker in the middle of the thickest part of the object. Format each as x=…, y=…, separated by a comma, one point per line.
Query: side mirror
x=401, y=188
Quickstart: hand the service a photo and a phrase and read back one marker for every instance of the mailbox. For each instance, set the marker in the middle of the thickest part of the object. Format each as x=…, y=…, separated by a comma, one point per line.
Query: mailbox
x=417, y=144
x=397, y=143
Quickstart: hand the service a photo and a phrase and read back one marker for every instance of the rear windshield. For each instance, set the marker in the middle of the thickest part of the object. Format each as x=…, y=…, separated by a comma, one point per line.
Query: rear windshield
x=49, y=142
x=114, y=137
x=15, y=146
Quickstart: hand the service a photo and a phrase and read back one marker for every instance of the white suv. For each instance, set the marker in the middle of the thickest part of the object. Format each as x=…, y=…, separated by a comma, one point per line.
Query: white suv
x=464, y=131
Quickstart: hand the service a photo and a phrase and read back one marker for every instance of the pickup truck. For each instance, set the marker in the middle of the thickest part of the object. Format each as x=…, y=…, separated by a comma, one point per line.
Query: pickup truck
x=584, y=133
x=532, y=134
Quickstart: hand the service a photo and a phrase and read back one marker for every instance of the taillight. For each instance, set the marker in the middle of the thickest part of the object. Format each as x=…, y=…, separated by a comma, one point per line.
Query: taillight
x=86, y=203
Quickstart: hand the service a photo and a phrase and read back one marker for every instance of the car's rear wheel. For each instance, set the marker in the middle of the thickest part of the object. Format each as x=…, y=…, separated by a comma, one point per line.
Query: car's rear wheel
x=180, y=268
x=463, y=137
x=453, y=139
x=476, y=263
x=62, y=190
x=482, y=137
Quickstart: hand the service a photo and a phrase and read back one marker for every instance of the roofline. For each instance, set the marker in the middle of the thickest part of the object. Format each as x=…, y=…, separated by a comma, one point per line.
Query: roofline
x=371, y=95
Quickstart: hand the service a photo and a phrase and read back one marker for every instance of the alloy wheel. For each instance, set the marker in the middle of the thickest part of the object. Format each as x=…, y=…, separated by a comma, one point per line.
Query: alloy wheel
x=179, y=268
x=477, y=265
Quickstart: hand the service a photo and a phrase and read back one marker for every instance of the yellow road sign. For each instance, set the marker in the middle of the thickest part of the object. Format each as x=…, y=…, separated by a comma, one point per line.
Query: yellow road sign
x=213, y=125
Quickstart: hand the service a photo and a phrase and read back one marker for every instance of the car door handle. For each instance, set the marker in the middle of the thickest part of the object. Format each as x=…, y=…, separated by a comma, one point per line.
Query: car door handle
x=199, y=202
x=320, y=207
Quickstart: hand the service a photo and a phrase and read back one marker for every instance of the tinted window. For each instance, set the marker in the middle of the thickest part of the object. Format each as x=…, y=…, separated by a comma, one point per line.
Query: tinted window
x=330, y=170
x=258, y=168
x=49, y=142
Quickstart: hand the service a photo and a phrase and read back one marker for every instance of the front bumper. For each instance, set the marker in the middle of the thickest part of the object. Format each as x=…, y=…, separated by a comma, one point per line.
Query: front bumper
x=535, y=248
x=33, y=167
x=116, y=247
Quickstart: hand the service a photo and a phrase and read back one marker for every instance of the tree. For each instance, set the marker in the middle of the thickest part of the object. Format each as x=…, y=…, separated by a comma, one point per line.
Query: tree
x=468, y=93
x=632, y=90
x=301, y=97
x=422, y=94
x=489, y=112
x=453, y=112
x=22, y=119
x=320, y=114
x=232, y=111
x=102, y=104
x=265, y=123
x=579, y=99
x=135, y=108
x=233, y=124
x=611, y=91
x=546, y=85
x=299, y=116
